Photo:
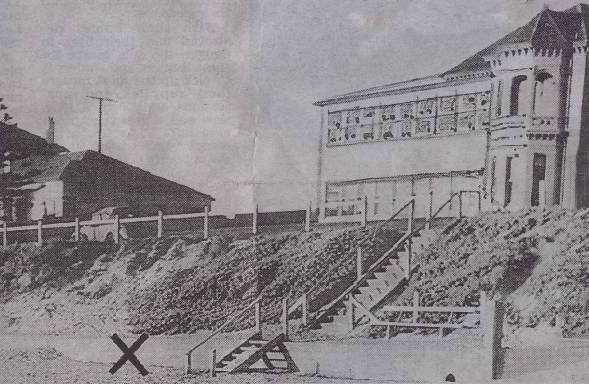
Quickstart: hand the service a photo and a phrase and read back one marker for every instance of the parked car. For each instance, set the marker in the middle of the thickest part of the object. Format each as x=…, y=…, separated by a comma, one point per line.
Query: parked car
x=105, y=232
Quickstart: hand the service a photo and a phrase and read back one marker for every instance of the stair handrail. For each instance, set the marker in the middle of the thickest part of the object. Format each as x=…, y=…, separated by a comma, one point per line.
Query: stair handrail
x=298, y=302
x=378, y=263
x=234, y=316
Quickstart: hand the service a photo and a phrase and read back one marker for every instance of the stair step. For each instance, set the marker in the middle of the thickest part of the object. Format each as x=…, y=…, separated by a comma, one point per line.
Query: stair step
x=252, y=348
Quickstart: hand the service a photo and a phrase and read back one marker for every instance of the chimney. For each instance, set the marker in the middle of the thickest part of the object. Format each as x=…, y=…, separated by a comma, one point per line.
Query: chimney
x=51, y=131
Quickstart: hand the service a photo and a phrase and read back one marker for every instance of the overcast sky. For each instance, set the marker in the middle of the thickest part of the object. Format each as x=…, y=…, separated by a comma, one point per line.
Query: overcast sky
x=218, y=94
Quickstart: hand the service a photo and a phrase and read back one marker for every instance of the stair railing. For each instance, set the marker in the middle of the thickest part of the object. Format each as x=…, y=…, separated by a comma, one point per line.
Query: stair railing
x=303, y=302
x=407, y=237
x=233, y=317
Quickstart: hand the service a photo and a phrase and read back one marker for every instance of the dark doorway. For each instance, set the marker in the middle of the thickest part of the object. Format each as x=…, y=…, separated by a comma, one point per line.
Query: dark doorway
x=508, y=183
x=538, y=175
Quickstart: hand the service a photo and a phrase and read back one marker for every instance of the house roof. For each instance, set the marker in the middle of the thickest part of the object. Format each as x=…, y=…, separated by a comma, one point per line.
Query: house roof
x=16, y=140
x=547, y=30
x=41, y=168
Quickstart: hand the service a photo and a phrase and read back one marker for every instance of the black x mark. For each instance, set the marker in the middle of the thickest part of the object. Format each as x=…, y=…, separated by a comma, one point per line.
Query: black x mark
x=129, y=354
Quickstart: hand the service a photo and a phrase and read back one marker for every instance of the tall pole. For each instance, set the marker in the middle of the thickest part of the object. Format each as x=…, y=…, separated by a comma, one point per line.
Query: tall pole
x=100, y=100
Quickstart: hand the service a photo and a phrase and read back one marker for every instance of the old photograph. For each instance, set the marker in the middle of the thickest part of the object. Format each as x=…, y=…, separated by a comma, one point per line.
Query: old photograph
x=294, y=191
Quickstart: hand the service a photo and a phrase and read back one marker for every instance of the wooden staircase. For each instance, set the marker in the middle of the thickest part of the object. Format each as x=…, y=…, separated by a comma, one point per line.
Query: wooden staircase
x=256, y=355
x=383, y=279
x=380, y=283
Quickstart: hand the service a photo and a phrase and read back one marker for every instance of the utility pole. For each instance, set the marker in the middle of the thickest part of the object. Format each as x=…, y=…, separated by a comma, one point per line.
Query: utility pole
x=100, y=100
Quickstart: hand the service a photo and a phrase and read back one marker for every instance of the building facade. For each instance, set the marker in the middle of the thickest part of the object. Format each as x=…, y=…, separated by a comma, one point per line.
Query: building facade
x=509, y=122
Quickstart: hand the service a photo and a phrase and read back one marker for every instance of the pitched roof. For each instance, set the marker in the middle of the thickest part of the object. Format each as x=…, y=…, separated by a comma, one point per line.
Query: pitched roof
x=14, y=139
x=44, y=168
x=548, y=29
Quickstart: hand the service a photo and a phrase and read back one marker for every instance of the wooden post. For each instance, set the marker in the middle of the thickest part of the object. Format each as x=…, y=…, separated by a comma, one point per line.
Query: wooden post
x=255, y=221
x=364, y=211
x=431, y=210
x=77, y=229
x=40, y=232
x=117, y=234
x=5, y=234
x=415, y=305
x=479, y=201
x=410, y=239
x=160, y=224
x=351, y=314
x=188, y=363
x=206, y=223
x=308, y=218
x=492, y=325
x=460, y=205
x=284, y=317
x=214, y=363
x=358, y=263
x=305, y=309
x=258, y=315
x=388, y=332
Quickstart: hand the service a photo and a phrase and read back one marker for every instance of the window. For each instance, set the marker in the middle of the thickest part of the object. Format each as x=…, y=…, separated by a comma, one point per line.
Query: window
x=516, y=94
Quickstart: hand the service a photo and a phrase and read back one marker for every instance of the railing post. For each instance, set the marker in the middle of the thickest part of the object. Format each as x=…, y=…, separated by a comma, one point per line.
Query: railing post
x=206, y=223
x=40, y=232
x=160, y=224
x=305, y=309
x=351, y=314
x=257, y=316
x=415, y=305
x=77, y=229
x=358, y=263
x=479, y=201
x=284, y=317
x=4, y=234
x=214, y=363
x=430, y=211
x=460, y=205
x=255, y=221
x=308, y=218
x=410, y=239
x=364, y=211
x=116, y=235
x=188, y=363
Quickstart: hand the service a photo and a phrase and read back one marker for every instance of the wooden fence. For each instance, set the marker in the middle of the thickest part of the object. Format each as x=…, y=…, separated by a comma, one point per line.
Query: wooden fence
x=76, y=225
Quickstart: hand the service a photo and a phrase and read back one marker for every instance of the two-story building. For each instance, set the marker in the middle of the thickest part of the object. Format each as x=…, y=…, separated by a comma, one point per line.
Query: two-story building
x=509, y=122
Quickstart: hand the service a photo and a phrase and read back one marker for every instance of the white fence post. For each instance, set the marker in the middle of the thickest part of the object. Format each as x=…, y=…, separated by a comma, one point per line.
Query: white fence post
x=308, y=218
x=206, y=223
x=40, y=232
x=4, y=234
x=255, y=221
x=160, y=224
x=117, y=231
x=77, y=229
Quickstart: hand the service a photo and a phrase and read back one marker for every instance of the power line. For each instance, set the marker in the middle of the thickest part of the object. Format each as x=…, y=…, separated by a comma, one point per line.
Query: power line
x=100, y=100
